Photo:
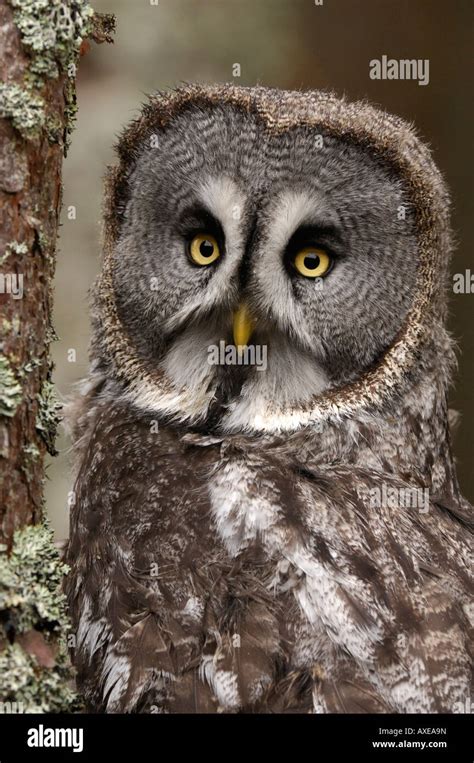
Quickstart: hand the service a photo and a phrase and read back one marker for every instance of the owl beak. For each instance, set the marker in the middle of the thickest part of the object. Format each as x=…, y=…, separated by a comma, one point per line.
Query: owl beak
x=243, y=326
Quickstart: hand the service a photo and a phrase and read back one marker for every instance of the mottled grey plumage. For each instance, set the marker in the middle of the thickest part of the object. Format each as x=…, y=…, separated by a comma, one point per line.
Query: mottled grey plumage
x=227, y=552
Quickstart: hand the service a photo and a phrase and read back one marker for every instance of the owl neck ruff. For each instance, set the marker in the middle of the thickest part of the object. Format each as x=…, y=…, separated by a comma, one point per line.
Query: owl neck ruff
x=386, y=136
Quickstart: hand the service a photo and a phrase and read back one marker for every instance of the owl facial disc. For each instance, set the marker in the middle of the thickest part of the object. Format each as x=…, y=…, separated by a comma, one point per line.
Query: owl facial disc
x=292, y=200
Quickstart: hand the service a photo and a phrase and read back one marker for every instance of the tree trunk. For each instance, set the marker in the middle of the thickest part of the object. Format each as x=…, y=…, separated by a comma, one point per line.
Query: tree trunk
x=40, y=44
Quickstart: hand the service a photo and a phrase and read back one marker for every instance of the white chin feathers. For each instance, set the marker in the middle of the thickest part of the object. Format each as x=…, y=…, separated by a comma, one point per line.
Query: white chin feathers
x=267, y=399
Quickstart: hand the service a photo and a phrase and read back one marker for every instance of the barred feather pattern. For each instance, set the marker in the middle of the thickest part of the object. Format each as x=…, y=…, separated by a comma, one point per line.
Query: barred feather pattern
x=238, y=574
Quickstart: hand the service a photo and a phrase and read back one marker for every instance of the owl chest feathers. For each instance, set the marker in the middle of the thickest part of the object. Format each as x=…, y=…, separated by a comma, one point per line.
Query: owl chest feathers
x=247, y=554
x=253, y=503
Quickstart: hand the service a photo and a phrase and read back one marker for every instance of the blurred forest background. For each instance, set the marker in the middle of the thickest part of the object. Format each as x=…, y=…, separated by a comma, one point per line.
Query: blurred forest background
x=282, y=43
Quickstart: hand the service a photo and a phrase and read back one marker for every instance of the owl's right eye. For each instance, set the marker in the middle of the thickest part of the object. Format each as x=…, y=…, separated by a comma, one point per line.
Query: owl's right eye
x=204, y=249
x=312, y=262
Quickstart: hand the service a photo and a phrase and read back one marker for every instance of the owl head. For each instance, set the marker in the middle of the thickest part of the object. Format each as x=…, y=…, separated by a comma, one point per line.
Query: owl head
x=292, y=223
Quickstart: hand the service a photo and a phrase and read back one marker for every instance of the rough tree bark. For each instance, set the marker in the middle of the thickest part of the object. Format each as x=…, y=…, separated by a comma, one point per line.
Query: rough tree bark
x=40, y=44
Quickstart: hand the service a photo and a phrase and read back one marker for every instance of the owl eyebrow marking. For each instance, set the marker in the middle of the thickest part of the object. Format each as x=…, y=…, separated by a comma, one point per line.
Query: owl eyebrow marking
x=294, y=210
x=307, y=235
x=225, y=198
x=197, y=218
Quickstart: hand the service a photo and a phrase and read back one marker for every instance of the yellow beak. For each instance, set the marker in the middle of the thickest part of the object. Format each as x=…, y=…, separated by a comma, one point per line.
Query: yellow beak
x=243, y=326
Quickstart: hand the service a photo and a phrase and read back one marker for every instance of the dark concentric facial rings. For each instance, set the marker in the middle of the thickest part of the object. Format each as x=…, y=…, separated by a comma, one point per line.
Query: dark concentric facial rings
x=312, y=233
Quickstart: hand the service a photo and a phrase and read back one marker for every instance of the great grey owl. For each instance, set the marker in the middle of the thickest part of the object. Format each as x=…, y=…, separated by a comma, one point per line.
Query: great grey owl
x=285, y=535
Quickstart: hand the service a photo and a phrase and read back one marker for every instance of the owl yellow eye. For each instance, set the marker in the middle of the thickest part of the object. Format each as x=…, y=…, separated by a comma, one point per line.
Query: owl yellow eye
x=204, y=249
x=312, y=262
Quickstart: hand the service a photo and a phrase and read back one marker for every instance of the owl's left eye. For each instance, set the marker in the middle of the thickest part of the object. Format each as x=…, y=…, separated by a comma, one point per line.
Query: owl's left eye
x=312, y=262
x=204, y=249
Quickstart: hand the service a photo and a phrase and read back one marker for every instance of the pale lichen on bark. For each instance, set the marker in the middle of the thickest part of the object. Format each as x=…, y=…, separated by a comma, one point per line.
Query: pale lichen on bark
x=34, y=665
x=10, y=389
